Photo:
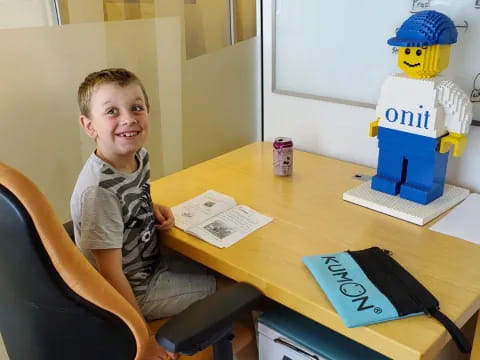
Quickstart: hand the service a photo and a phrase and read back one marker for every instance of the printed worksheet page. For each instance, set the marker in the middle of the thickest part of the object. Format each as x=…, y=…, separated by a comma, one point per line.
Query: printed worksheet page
x=228, y=227
x=201, y=208
x=217, y=219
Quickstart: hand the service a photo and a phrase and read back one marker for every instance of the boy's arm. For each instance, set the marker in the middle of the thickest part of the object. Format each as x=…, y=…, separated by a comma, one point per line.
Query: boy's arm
x=164, y=217
x=109, y=264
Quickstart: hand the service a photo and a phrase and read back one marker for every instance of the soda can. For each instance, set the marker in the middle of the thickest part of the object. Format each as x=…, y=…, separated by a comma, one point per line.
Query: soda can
x=283, y=156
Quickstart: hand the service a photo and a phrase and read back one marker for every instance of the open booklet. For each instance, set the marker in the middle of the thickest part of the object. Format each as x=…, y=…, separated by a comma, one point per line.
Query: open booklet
x=217, y=219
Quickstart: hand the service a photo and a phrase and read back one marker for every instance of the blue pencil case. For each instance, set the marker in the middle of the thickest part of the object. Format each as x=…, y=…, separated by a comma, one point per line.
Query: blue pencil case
x=369, y=286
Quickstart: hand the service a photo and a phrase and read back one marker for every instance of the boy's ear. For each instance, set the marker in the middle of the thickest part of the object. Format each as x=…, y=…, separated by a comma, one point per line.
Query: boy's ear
x=88, y=126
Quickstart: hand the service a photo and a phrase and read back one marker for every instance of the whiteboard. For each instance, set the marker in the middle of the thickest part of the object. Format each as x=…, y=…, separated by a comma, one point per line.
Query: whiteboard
x=338, y=51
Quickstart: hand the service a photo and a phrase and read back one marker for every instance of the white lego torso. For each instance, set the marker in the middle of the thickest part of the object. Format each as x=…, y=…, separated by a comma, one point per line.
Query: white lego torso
x=428, y=107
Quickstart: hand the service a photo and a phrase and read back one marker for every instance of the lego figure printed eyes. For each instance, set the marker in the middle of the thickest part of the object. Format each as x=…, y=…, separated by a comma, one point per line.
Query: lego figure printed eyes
x=420, y=114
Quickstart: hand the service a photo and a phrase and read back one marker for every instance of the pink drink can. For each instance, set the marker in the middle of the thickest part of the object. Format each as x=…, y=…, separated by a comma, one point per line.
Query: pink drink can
x=283, y=156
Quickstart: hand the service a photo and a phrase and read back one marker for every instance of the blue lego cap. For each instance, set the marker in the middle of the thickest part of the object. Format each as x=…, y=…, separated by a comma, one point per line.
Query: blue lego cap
x=425, y=28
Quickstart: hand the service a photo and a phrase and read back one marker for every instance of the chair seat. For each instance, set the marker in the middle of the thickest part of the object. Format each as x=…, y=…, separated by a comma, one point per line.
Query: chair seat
x=156, y=324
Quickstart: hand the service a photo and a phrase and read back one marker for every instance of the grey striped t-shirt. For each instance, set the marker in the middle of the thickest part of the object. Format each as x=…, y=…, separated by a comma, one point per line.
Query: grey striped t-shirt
x=113, y=210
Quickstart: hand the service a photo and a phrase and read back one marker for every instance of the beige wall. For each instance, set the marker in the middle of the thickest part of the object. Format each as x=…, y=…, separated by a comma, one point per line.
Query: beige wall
x=40, y=69
x=25, y=13
x=133, y=45
x=117, y=10
x=206, y=21
x=220, y=89
x=246, y=19
x=200, y=107
x=207, y=26
x=220, y=102
x=40, y=135
x=83, y=11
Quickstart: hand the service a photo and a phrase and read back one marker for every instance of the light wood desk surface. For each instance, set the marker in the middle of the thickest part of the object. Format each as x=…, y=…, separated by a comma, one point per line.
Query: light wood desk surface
x=311, y=218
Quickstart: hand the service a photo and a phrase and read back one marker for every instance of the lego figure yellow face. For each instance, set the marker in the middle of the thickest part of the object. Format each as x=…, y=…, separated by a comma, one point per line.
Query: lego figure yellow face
x=423, y=62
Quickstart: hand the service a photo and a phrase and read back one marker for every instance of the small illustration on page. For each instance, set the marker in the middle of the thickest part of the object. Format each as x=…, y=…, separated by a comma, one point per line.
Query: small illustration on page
x=219, y=229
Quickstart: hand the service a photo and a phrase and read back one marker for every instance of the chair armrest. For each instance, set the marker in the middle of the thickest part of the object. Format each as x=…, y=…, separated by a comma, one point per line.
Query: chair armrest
x=206, y=321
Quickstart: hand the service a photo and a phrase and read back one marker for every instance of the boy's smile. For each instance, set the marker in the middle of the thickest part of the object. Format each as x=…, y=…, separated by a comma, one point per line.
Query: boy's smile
x=118, y=122
x=128, y=133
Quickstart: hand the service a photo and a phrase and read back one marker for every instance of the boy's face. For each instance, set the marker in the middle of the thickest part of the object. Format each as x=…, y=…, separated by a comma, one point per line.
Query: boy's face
x=118, y=121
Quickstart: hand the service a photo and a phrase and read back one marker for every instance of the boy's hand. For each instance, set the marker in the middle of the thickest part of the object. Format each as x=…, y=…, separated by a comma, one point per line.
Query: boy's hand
x=164, y=217
x=156, y=352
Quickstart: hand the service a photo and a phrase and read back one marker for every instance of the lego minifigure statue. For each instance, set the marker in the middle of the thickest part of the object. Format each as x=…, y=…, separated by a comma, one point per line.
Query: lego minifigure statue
x=420, y=114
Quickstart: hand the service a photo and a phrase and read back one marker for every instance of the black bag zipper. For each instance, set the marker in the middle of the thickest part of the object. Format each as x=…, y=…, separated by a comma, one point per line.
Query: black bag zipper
x=376, y=264
x=416, y=291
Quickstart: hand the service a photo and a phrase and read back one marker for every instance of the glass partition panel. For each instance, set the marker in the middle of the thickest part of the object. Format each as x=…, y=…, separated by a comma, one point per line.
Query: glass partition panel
x=41, y=69
x=220, y=102
x=200, y=108
x=27, y=13
x=207, y=26
x=210, y=25
x=245, y=20
x=214, y=24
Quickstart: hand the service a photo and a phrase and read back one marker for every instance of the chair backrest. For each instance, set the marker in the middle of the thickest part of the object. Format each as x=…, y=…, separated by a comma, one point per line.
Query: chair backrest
x=53, y=303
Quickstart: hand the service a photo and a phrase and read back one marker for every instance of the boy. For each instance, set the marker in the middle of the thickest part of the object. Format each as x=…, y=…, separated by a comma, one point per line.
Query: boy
x=115, y=221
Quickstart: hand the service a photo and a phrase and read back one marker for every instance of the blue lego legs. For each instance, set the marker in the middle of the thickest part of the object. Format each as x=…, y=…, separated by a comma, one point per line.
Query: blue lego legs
x=425, y=178
x=391, y=171
x=410, y=164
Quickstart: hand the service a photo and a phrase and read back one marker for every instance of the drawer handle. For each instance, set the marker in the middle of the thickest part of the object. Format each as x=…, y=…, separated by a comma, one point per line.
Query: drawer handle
x=295, y=348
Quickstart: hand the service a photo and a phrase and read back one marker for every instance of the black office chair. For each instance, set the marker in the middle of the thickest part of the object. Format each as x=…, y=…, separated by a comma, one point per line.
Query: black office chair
x=55, y=305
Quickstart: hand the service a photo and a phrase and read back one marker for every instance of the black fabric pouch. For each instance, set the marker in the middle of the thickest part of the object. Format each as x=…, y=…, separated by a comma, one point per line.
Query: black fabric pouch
x=354, y=280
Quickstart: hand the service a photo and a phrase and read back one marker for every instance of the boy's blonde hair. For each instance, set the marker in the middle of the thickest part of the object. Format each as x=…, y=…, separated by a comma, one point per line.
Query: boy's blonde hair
x=118, y=76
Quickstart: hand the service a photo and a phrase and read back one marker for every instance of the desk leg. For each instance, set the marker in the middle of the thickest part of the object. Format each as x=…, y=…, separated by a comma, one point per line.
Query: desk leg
x=475, y=355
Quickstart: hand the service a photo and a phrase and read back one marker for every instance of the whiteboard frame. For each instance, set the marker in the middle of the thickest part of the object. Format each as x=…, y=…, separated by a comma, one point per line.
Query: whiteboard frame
x=279, y=91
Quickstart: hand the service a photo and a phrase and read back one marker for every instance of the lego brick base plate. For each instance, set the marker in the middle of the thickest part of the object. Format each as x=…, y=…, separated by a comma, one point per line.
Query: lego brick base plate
x=404, y=209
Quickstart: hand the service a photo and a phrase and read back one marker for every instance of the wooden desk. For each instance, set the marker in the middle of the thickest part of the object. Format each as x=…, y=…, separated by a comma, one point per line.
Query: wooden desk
x=310, y=217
